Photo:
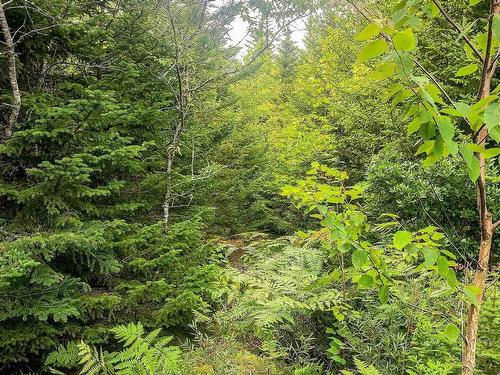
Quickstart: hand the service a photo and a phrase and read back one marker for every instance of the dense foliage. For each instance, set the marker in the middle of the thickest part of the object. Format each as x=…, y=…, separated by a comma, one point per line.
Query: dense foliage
x=173, y=201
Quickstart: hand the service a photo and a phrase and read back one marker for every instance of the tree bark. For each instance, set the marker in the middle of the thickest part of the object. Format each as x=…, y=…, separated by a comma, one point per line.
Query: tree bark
x=12, y=117
x=485, y=217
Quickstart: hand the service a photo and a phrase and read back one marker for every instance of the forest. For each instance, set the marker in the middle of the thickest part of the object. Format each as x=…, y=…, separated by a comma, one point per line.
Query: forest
x=249, y=187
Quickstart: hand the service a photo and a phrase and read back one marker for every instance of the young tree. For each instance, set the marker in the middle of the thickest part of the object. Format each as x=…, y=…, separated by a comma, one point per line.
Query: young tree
x=436, y=115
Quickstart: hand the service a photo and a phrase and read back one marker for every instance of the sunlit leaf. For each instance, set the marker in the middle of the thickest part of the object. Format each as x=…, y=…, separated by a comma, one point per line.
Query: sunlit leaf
x=492, y=120
x=365, y=281
x=370, y=31
x=452, y=332
x=383, y=294
x=472, y=292
x=473, y=168
x=372, y=50
x=359, y=258
x=405, y=40
x=496, y=26
x=401, y=239
x=383, y=71
x=491, y=152
x=466, y=70
x=447, y=131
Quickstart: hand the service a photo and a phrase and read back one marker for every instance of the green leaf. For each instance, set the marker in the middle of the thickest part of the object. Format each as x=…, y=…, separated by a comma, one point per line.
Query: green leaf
x=393, y=90
x=383, y=294
x=442, y=263
x=452, y=332
x=431, y=9
x=372, y=50
x=405, y=40
x=435, y=93
x=474, y=2
x=466, y=70
x=495, y=133
x=491, y=152
x=463, y=108
x=371, y=30
x=427, y=130
x=447, y=131
x=496, y=26
x=476, y=148
x=479, y=106
x=492, y=119
x=430, y=255
x=449, y=254
x=473, y=168
x=383, y=71
x=401, y=96
x=365, y=281
x=401, y=239
x=425, y=147
x=413, y=126
x=451, y=279
x=359, y=258
x=472, y=292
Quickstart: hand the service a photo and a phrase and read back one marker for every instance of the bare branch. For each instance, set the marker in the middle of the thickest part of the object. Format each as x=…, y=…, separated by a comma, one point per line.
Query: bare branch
x=459, y=29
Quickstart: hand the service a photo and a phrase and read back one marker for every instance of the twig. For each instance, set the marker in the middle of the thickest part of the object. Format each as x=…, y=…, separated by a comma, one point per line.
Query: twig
x=460, y=31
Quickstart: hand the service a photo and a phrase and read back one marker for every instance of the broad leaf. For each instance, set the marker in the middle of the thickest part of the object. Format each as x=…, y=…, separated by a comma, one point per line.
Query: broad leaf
x=425, y=147
x=442, y=264
x=430, y=255
x=496, y=26
x=480, y=105
x=383, y=71
x=365, y=281
x=401, y=239
x=492, y=119
x=491, y=152
x=383, y=294
x=473, y=168
x=405, y=40
x=447, y=131
x=359, y=258
x=471, y=292
x=371, y=30
x=372, y=50
x=452, y=332
x=466, y=70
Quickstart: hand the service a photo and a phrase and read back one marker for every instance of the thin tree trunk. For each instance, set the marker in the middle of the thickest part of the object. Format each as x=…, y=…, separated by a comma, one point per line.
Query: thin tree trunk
x=183, y=98
x=485, y=217
x=179, y=126
x=170, y=163
x=11, y=119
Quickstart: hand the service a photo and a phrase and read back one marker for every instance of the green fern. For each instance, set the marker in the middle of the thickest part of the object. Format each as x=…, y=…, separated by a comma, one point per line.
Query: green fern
x=310, y=369
x=362, y=368
x=94, y=361
x=142, y=355
x=65, y=356
x=272, y=302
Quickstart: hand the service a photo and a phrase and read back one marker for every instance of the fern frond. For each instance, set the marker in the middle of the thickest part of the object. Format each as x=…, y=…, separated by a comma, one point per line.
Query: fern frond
x=365, y=369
